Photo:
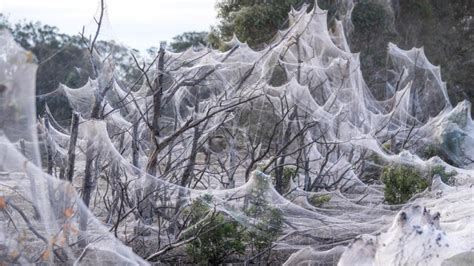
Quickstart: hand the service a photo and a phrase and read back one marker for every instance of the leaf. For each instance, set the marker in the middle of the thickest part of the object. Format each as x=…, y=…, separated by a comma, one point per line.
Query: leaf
x=68, y=212
x=3, y=202
x=14, y=254
x=45, y=255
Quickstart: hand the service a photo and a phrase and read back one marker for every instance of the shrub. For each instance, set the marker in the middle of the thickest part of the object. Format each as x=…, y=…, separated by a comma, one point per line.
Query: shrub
x=266, y=230
x=319, y=200
x=218, y=235
x=429, y=151
x=289, y=173
x=446, y=177
x=401, y=183
x=268, y=220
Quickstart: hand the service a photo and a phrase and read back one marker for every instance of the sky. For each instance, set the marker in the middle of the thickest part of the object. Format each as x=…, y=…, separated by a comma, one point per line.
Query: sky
x=139, y=24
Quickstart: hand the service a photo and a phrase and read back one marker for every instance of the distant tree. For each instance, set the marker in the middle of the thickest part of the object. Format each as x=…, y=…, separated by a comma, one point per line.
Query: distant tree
x=189, y=39
x=446, y=30
x=253, y=21
x=61, y=59
x=373, y=29
x=125, y=66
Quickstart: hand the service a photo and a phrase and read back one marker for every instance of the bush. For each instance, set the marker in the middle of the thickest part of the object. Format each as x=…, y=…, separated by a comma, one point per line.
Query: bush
x=267, y=230
x=319, y=200
x=401, y=183
x=289, y=173
x=429, y=151
x=268, y=220
x=218, y=235
x=446, y=177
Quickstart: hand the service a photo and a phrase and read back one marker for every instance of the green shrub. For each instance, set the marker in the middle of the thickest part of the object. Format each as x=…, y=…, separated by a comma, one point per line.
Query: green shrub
x=268, y=220
x=266, y=230
x=218, y=235
x=387, y=145
x=429, y=151
x=288, y=174
x=319, y=200
x=401, y=183
x=446, y=177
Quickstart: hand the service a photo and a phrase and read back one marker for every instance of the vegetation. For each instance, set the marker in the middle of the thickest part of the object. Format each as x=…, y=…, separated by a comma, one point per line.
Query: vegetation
x=254, y=22
x=266, y=230
x=446, y=177
x=319, y=200
x=212, y=237
x=61, y=58
x=401, y=183
x=268, y=226
x=430, y=150
x=443, y=28
x=218, y=235
x=369, y=15
x=188, y=39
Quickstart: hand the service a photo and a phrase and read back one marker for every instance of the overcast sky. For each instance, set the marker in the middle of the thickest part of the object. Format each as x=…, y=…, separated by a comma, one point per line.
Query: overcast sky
x=136, y=23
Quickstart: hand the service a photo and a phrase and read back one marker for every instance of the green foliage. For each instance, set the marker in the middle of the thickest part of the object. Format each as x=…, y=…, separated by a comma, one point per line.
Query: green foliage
x=372, y=31
x=452, y=143
x=459, y=118
x=252, y=21
x=266, y=230
x=444, y=29
x=430, y=150
x=62, y=59
x=446, y=177
x=124, y=63
x=189, y=39
x=289, y=173
x=269, y=221
x=421, y=8
x=401, y=183
x=387, y=145
x=218, y=235
x=369, y=16
x=319, y=200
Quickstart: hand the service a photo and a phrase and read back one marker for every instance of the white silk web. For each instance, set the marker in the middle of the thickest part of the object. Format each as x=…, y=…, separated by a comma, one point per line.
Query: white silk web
x=229, y=128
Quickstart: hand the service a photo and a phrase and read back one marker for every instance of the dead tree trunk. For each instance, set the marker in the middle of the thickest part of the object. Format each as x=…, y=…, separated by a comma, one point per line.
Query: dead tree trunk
x=71, y=153
x=135, y=145
x=157, y=97
x=146, y=207
x=279, y=182
x=49, y=149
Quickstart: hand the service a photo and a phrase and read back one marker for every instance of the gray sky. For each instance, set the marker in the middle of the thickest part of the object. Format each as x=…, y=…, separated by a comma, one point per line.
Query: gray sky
x=136, y=23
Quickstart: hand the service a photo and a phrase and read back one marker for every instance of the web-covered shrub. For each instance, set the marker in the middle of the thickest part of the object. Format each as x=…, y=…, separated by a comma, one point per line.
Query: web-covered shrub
x=401, y=183
x=216, y=235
